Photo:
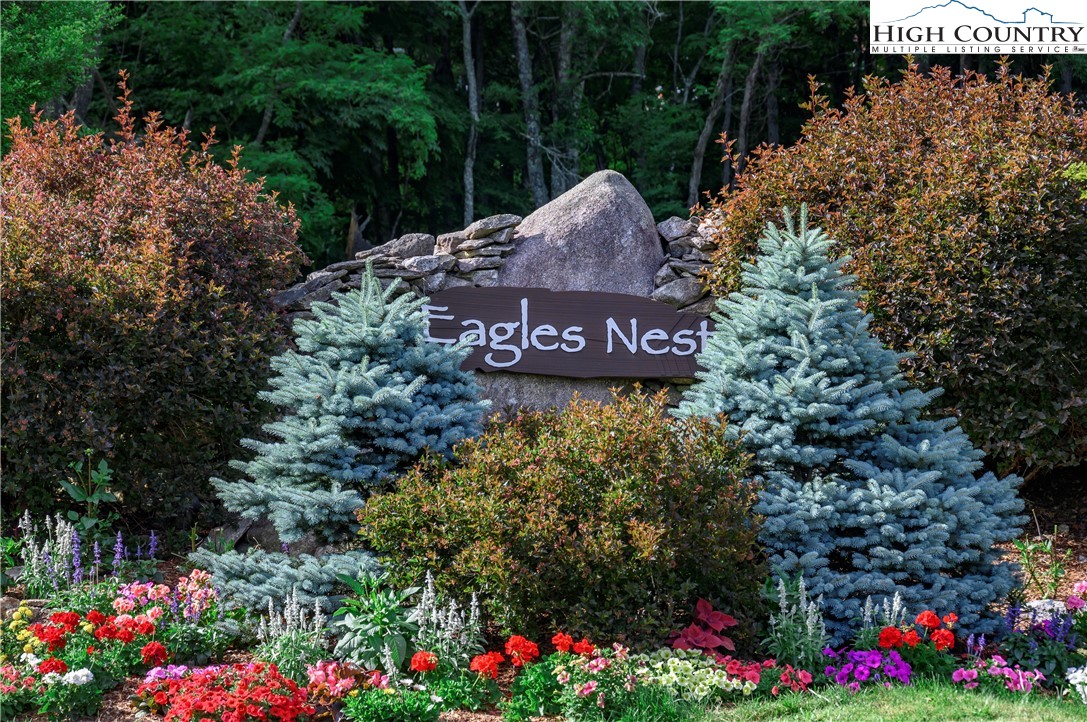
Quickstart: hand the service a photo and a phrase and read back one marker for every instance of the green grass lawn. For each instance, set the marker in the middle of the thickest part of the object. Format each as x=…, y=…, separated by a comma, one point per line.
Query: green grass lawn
x=918, y=703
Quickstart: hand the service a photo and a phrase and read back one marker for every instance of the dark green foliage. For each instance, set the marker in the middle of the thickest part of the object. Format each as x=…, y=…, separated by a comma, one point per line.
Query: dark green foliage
x=49, y=48
x=534, y=692
x=136, y=318
x=608, y=521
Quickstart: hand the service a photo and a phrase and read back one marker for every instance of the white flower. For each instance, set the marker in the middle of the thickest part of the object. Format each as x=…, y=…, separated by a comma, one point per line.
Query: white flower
x=30, y=660
x=78, y=677
x=50, y=678
x=1078, y=679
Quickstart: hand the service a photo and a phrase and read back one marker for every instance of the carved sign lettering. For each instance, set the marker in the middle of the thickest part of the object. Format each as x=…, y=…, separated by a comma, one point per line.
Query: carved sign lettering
x=582, y=334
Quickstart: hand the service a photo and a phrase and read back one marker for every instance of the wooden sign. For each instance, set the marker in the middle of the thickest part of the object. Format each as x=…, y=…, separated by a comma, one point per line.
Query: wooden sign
x=582, y=334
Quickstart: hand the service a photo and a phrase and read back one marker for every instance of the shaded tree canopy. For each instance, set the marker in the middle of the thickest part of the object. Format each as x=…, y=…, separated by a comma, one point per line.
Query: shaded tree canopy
x=363, y=115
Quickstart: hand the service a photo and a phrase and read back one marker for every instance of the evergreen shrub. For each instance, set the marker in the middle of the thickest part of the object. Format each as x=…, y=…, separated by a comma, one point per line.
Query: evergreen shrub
x=136, y=274
x=967, y=235
x=608, y=521
x=362, y=396
x=864, y=494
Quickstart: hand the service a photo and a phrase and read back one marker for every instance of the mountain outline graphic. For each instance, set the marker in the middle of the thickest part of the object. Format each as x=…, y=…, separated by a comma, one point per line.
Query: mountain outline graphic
x=987, y=14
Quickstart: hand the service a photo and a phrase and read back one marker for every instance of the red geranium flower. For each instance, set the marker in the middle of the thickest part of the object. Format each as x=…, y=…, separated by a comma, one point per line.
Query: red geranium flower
x=424, y=661
x=562, y=641
x=944, y=639
x=145, y=628
x=928, y=619
x=52, y=665
x=154, y=654
x=125, y=635
x=486, y=665
x=584, y=647
x=950, y=618
x=911, y=638
x=890, y=638
x=521, y=650
x=95, y=617
x=68, y=620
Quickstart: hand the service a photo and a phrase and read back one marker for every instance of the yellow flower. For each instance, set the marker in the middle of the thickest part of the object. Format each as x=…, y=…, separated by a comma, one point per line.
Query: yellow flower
x=28, y=648
x=23, y=635
x=88, y=628
x=353, y=693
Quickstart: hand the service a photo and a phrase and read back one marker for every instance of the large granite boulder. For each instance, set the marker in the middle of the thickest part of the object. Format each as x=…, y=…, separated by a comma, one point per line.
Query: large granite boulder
x=598, y=236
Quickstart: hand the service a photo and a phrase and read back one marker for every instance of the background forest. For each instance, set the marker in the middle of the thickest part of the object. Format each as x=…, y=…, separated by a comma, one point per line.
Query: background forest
x=376, y=119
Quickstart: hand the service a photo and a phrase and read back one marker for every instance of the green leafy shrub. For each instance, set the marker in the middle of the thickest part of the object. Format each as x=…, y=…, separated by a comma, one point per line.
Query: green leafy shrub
x=606, y=520
x=137, y=320
x=534, y=692
x=970, y=239
x=399, y=705
x=375, y=626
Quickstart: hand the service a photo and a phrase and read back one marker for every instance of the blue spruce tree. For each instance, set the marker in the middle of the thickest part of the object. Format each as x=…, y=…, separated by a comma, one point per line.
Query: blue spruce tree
x=863, y=494
x=363, y=396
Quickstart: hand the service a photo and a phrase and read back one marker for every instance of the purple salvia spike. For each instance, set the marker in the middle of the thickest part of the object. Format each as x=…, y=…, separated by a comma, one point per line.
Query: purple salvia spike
x=139, y=551
x=77, y=558
x=118, y=553
x=154, y=546
x=51, y=571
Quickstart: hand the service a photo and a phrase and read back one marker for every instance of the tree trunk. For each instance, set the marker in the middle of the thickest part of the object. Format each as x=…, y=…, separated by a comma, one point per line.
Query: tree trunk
x=473, y=110
x=742, y=134
x=564, y=120
x=716, y=103
x=773, y=128
x=536, y=183
x=269, y=107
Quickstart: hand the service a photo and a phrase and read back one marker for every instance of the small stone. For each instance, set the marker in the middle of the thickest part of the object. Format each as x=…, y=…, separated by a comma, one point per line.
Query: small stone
x=485, y=278
x=8, y=606
x=487, y=226
x=452, y=281
x=322, y=294
x=688, y=268
x=664, y=275
x=448, y=242
x=406, y=246
x=315, y=280
x=433, y=283
x=693, y=254
x=682, y=292
x=503, y=249
x=353, y=265
x=397, y=273
x=499, y=238
x=704, y=243
x=676, y=249
x=429, y=264
x=675, y=227
x=469, y=265
x=701, y=308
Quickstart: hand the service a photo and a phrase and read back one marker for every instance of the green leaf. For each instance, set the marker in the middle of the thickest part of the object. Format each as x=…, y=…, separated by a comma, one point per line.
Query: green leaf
x=73, y=491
